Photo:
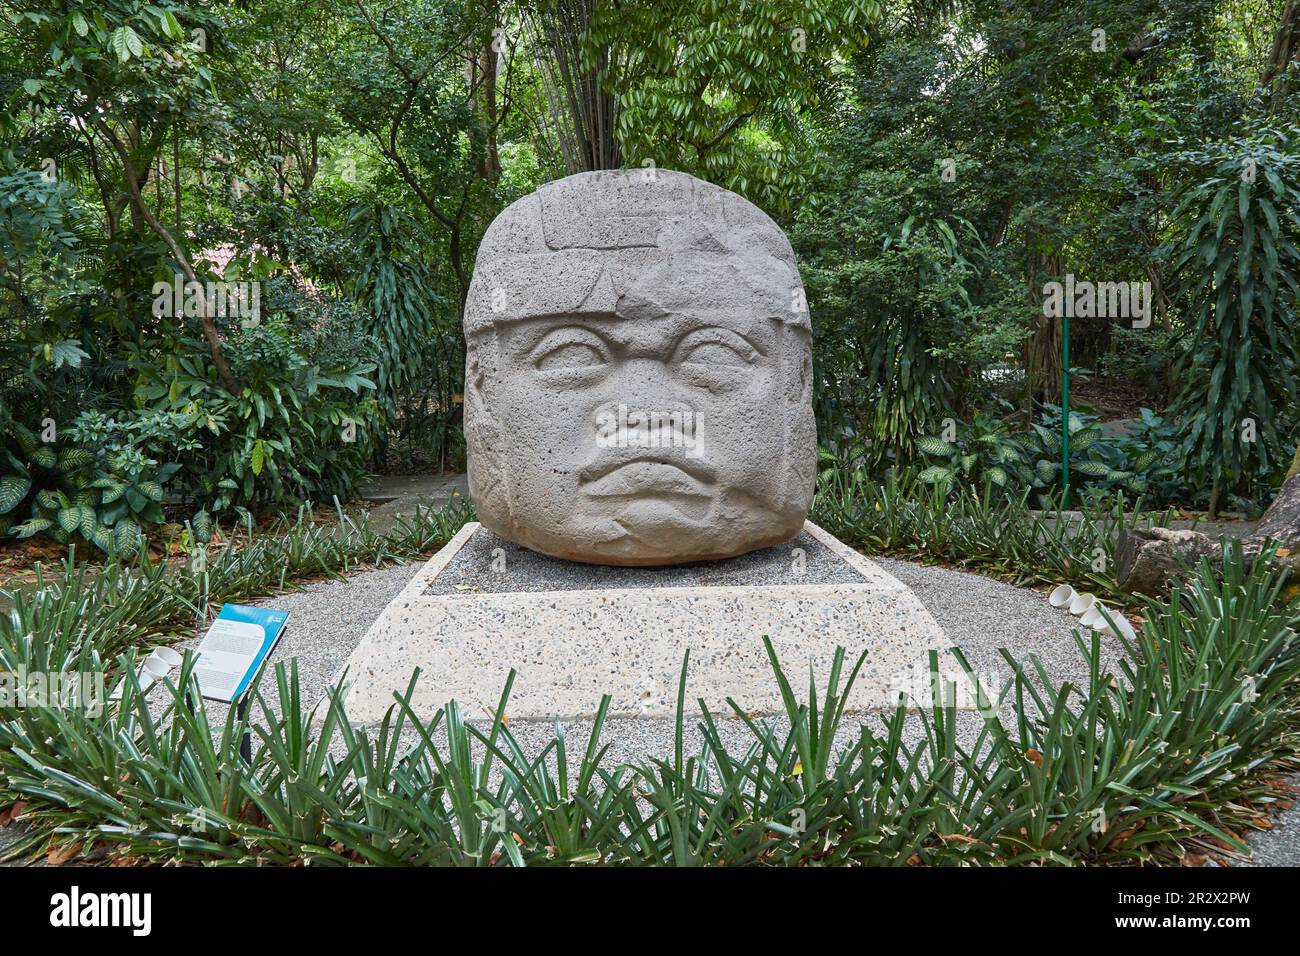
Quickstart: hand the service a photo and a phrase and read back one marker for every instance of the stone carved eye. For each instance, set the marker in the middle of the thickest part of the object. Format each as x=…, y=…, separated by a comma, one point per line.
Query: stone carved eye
x=573, y=355
x=716, y=347
x=570, y=348
x=715, y=353
x=715, y=359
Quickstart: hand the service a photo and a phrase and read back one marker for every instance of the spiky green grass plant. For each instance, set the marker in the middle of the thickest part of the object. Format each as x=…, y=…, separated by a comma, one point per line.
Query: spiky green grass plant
x=120, y=605
x=906, y=518
x=1175, y=751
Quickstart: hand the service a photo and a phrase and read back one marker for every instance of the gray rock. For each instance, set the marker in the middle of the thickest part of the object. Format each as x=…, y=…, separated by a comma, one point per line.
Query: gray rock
x=1148, y=560
x=638, y=374
x=1282, y=519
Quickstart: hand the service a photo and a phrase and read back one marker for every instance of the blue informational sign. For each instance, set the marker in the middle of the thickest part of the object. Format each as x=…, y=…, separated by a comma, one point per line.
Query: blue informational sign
x=234, y=649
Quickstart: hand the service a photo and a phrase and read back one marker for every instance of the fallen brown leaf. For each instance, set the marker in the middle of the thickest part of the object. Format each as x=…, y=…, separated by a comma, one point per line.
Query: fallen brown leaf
x=12, y=812
x=1121, y=837
x=58, y=855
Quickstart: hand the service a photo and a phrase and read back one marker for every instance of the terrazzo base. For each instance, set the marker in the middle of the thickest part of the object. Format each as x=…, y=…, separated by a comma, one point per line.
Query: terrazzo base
x=481, y=607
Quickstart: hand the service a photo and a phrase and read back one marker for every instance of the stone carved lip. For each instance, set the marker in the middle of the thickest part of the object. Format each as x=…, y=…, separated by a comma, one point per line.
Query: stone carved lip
x=646, y=476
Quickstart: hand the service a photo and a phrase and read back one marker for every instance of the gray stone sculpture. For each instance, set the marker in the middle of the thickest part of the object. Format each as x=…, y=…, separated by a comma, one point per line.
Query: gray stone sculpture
x=638, y=373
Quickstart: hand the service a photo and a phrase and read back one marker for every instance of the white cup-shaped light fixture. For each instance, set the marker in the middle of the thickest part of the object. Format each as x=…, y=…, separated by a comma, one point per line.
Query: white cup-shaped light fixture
x=168, y=656
x=1082, y=602
x=1062, y=595
x=1121, y=627
x=1093, y=618
x=154, y=669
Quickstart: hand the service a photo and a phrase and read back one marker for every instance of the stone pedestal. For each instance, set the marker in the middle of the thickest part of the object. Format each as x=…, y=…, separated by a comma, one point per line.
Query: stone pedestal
x=573, y=632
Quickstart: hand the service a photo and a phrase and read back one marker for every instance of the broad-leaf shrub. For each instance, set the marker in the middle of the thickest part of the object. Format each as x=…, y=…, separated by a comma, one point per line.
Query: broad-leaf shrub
x=1144, y=461
x=299, y=430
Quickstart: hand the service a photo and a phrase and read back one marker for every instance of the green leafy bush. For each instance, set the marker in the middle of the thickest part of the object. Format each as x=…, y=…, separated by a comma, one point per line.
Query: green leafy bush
x=97, y=483
x=1240, y=262
x=1151, y=445
x=299, y=430
x=985, y=451
x=886, y=319
x=1144, y=459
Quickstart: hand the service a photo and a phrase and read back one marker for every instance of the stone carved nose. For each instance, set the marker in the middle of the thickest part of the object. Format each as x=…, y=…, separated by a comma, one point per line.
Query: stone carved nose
x=665, y=417
x=645, y=380
x=640, y=401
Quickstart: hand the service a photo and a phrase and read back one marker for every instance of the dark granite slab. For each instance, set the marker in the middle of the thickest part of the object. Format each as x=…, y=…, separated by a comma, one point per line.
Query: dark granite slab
x=471, y=570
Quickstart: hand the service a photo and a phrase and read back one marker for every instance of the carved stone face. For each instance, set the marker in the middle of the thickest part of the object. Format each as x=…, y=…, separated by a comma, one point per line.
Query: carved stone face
x=638, y=376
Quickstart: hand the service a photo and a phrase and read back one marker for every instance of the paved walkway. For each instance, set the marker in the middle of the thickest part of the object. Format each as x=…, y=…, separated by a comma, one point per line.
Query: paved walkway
x=395, y=495
x=7, y=836
x=1279, y=846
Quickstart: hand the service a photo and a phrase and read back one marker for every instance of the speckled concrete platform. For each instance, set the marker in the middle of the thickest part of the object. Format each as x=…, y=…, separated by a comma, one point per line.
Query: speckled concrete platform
x=626, y=633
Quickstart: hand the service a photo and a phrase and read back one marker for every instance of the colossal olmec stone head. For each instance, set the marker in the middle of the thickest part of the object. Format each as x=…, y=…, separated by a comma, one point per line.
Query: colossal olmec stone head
x=638, y=374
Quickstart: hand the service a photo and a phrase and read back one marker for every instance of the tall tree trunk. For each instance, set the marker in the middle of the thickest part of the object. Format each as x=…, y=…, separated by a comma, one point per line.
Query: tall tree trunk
x=485, y=85
x=583, y=114
x=1286, y=50
x=176, y=178
x=1042, y=350
x=141, y=209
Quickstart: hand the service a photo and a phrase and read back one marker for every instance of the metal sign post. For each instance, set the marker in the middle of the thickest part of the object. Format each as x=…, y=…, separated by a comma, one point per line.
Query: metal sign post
x=1065, y=404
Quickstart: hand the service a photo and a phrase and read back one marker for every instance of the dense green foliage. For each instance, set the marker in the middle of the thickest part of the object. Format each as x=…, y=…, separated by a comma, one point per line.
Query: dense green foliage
x=724, y=90
x=1241, y=266
x=235, y=242
x=1143, y=462
x=936, y=165
x=980, y=154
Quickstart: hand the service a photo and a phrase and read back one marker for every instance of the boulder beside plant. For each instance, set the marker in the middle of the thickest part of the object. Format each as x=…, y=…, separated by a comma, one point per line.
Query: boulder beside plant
x=1150, y=560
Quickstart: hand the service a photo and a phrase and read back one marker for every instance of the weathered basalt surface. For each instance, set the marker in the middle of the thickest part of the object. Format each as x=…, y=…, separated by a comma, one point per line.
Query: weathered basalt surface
x=638, y=375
